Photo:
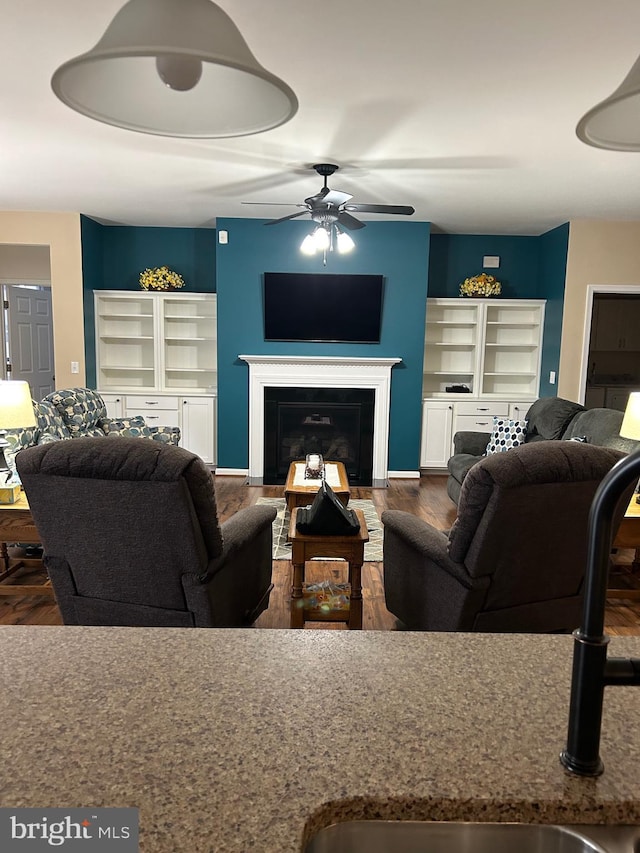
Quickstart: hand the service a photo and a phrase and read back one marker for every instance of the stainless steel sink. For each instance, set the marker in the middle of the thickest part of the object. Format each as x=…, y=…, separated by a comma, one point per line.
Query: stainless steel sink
x=382, y=836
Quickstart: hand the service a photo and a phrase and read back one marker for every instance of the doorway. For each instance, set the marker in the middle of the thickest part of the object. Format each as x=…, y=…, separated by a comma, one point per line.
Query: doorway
x=611, y=356
x=28, y=337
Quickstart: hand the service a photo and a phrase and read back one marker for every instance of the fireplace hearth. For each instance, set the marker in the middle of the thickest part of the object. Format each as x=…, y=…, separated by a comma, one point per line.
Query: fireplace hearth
x=335, y=422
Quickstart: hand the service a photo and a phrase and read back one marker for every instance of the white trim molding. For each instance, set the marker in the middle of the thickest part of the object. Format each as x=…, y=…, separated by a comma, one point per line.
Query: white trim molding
x=312, y=371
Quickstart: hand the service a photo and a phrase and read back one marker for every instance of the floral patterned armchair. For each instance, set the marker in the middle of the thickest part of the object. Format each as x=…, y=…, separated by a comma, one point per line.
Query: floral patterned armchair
x=78, y=413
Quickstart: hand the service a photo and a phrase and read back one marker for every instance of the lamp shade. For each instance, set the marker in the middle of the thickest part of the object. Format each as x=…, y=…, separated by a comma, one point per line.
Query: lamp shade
x=615, y=122
x=16, y=408
x=631, y=421
x=175, y=68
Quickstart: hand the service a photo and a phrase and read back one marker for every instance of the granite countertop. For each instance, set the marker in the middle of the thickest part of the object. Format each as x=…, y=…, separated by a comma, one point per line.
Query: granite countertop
x=232, y=740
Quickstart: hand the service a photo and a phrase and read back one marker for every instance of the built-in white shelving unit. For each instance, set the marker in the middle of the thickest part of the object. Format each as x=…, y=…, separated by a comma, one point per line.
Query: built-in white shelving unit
x=493, y=347
x=156, y=356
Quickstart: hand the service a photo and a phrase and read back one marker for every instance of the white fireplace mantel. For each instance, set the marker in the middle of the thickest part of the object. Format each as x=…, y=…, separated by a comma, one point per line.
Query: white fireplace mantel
x=313, y=371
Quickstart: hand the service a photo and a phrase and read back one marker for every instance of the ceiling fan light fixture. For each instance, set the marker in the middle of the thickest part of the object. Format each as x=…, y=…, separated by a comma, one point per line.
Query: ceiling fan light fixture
x=614, y=123
x=321, y=239
x=308, y=245
x=345, y=243
x=176, y=68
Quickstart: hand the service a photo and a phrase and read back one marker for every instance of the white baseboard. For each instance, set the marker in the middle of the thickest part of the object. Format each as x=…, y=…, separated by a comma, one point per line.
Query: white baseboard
x=403, y=475
x=232, y=472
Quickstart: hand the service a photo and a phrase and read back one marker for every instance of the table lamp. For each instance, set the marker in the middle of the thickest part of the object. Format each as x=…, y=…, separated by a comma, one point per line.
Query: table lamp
x=16, y=411
x=631, y=423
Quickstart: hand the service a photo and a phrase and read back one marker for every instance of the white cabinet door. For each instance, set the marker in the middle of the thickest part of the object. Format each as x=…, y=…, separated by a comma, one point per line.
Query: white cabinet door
x=518, y=411
x=114, y=404
x=198, y=427
x=435, y=446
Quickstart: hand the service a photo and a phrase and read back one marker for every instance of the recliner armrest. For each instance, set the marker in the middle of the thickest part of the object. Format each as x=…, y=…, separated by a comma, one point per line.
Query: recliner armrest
x=427, y=541
x=473, y=443
x=244, y=526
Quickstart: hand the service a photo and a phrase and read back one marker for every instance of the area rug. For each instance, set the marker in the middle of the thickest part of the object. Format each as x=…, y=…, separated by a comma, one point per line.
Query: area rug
x=282, y=549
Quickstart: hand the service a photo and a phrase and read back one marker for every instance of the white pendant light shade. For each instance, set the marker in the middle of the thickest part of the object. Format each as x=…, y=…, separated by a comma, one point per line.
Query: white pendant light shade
x=322, y=239
x=175, y=68
x=345, y=243
x=308, y=245
x=615, y=122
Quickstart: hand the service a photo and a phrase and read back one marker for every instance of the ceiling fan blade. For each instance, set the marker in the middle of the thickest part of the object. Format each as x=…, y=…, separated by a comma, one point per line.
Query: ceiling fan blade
x=403, y=209
x=284, y=218
x=348, y=221
x=336, y=197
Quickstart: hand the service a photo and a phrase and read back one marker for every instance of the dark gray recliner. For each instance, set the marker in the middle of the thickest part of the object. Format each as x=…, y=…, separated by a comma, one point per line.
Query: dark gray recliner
x=515, y=557
x=131, y=536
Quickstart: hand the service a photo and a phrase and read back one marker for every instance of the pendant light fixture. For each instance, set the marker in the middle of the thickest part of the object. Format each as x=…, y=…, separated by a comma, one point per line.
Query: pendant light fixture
x=615, y=122
x=175, y=68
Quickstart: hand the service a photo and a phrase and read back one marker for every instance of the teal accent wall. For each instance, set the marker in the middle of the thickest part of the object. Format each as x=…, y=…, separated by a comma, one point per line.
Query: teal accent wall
x=91, y=235
x=530, y=268
x=455, y=257
x=554, y=246
x=113, y=256
x=412, y=260
x=397, y=250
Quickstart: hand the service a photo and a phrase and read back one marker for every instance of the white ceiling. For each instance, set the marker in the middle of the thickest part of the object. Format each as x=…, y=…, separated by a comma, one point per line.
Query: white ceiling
x=465, y=109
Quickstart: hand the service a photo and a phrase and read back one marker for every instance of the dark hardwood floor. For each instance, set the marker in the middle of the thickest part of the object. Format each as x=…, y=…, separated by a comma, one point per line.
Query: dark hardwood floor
x=425, y=497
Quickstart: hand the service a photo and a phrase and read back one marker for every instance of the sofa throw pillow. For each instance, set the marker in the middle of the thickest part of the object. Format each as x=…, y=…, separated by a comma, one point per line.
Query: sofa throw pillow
x=506, y=434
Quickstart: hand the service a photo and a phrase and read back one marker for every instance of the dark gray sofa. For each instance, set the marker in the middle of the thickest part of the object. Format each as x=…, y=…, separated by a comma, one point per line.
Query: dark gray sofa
x=549, y=419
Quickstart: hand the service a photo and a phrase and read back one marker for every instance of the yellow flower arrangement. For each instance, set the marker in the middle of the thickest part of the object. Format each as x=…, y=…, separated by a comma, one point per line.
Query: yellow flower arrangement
x=160, y=278
x=480, y=285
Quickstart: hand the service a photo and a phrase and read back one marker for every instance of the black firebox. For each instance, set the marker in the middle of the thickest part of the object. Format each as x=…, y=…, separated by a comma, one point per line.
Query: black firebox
x=336, y=422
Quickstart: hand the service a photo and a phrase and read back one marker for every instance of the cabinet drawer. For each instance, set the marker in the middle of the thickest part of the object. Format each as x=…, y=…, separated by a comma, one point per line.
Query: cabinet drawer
x=156, y=417
x=151, y=401
x=487, y=409
x=473, y=423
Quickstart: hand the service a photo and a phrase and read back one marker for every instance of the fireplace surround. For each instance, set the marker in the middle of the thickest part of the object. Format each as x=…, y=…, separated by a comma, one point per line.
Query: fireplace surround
x=335, y=372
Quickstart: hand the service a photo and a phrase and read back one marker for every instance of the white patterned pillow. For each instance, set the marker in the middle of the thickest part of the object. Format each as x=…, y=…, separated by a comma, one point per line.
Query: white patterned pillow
x=506, y=435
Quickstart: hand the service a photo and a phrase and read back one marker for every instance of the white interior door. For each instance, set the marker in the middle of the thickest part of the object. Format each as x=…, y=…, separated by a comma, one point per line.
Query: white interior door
x=30, y=338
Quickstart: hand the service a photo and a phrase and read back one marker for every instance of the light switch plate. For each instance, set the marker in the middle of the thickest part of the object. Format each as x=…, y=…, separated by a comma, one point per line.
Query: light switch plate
x=491, y=262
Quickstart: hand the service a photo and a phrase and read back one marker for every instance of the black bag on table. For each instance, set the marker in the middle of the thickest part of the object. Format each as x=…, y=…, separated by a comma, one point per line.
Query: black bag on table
x=327, y=516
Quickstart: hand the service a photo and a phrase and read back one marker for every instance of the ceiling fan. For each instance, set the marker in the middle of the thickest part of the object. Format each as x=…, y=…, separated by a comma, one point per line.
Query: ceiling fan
x=332, y=207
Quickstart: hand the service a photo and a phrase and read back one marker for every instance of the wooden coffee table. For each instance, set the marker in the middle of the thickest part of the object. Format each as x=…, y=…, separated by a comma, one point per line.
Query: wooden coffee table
x=305, y=546
x=16, y=525
x=300, y=492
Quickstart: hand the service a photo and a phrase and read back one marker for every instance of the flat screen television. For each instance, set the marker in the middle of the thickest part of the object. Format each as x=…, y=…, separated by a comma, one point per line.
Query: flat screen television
x=322, y=307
